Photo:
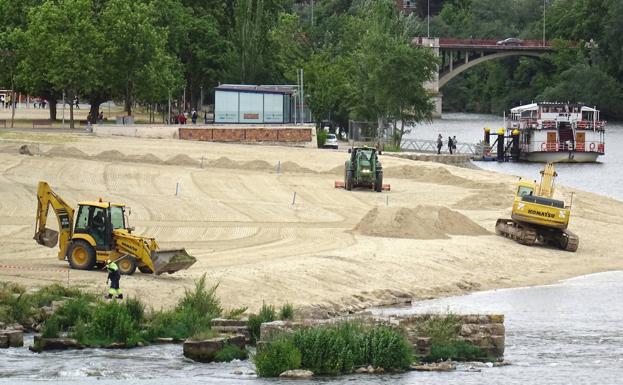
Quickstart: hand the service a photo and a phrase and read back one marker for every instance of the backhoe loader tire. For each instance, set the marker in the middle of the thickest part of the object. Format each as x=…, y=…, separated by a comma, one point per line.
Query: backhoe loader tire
x=145, y=270
x=378, y=183
x=349, y=180
x=127, y=265
x=81, y=255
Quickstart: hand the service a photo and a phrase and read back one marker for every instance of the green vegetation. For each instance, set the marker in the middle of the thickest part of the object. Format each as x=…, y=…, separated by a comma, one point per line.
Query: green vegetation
x=229, y=353
x=443, y=332
x=286, y=312
x=336, y=349
x=321, y=137
x=277, y=357
x=266, y=314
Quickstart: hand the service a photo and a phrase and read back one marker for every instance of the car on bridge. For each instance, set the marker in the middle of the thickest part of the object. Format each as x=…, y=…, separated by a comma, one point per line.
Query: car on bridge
x=510, y=41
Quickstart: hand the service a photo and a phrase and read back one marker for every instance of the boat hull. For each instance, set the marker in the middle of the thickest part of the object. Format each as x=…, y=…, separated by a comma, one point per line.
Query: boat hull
x=560, y=157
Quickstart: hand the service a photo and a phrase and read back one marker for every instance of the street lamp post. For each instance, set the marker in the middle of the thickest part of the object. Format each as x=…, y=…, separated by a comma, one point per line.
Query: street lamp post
x=543, y=23
x=428, y=18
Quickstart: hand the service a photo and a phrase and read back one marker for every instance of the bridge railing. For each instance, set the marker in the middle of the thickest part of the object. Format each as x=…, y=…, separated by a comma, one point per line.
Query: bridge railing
x=430, y=146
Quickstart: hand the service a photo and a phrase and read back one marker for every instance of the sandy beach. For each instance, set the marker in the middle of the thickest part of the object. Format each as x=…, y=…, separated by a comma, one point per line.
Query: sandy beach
x=332, y=250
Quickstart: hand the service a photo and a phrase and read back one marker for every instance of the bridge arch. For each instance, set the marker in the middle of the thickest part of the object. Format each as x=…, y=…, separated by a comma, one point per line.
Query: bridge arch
x=449, y=75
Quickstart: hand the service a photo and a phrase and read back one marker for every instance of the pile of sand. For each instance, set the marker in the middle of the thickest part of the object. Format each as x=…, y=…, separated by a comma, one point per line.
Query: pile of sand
x=109, y=155
x=66, y=152
x=422, y=222
x=182, y=160
x=288, y=166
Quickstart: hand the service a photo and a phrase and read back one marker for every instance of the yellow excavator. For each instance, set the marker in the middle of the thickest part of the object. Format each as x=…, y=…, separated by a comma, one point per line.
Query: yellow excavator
x=101, y=233
x=537, y=217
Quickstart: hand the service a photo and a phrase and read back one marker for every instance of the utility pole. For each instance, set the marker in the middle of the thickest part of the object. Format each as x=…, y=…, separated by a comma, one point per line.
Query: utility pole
x=312, y=13
x=63, y=125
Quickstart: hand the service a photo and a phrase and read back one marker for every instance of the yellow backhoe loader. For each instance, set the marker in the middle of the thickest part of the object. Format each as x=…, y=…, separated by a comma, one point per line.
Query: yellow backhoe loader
x=537, y=217
x=101, y=232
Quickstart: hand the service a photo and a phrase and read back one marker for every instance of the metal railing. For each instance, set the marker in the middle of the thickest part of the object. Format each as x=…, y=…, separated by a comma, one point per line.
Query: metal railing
x=430, y=146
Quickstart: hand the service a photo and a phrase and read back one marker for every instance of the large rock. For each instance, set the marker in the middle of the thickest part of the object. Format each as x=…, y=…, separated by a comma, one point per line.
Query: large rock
x=297, y=373
x=43, y=344
x=231, y=326
x=446, y=366
x=205, y=351
x=14, y=338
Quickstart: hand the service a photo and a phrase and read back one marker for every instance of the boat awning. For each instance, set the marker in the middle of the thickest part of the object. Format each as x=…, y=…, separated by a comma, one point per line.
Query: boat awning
x=526, y=107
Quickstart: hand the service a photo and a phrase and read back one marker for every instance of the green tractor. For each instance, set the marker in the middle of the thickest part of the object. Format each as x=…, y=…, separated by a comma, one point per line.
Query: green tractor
x=363, y=169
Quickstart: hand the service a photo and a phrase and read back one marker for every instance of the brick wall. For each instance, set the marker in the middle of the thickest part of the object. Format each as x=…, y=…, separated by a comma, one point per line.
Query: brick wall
x=276, y=135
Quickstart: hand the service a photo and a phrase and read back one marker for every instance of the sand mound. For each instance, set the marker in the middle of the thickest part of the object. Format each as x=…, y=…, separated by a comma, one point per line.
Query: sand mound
x=224, y=162
x=110, y=155
x=435, y=175
x=27, y=149
x=338, y=170
x=258, y=165
x=66, y=152
x=288, y=166
x=422, y=222
x=182, y=160
x=145, y=158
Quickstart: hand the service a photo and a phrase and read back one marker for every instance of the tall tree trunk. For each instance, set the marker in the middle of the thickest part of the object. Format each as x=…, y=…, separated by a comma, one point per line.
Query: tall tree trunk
x=52, y=104
x=96, y=99
x=71, y=111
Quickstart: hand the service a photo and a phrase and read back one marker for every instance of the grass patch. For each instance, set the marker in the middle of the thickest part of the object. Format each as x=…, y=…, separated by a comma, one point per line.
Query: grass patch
x=277, y=357
x=321, y=137
x=286, y=312
x=440, y=329
x=391, y=148
x=336, y=349
x=204, y=335
x=267, y=314
x=457, y=351
x=229, y=353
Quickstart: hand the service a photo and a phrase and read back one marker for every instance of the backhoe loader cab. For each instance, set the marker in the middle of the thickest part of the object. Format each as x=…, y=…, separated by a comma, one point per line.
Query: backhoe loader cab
x=101, y=232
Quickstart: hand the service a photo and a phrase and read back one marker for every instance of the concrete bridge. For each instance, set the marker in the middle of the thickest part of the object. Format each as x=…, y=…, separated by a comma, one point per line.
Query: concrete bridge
x=459, y=55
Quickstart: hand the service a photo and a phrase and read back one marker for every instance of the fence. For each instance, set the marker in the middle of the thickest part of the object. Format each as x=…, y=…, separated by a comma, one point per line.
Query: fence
x=423, y=145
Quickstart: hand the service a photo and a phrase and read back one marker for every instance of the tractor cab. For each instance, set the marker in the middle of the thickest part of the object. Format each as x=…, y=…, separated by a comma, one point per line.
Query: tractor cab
x=98, y=220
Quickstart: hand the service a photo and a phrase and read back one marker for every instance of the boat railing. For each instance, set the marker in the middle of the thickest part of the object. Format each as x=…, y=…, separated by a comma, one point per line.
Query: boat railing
x=545, y=146
x=591, y=125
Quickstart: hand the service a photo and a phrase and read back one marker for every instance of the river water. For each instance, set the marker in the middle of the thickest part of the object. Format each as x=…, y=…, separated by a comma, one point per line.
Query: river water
x=604, y=177
x=566, y=333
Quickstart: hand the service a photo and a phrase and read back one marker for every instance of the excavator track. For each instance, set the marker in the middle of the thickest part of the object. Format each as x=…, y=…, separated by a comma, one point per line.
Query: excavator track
x=570, y=241
x=520, y=233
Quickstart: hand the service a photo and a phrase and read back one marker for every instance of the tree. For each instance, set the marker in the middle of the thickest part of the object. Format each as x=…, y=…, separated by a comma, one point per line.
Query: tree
x=53, y=51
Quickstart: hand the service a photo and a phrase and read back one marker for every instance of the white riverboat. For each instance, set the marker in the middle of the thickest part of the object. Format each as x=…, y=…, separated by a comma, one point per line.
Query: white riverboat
x=558, y=132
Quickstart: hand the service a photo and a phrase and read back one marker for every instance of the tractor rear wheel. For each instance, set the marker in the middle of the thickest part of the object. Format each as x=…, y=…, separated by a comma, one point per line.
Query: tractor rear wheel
x=378, y=183
x=127, y=265
x=349, y=180
x=81, y=255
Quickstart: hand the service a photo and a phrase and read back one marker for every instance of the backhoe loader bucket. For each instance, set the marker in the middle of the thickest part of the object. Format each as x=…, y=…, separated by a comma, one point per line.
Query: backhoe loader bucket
x=170, y=261
x=47, y=238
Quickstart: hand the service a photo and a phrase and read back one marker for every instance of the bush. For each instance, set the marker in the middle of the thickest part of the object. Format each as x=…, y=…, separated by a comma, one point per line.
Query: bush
x=191, y=316
x=391, y=148
x=277, y=357
x=229, y=353
x=266, y=314
x=286, y=312
x=321, y=136
x=335, y=349
x=440, y=329
x=73, y=311
x=16, y=308
x=51, y=328
x=206, y=335
x=458, y=351
x=111, y=322
x=135, y=309
x=235, y=313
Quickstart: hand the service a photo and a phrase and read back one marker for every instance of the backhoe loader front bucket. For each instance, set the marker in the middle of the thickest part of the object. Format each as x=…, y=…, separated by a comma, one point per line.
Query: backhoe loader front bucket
x=172, y=260
x=48, y=237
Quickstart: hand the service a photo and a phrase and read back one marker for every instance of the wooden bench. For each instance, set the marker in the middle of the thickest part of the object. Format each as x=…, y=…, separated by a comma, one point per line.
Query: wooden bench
x=3, y=122
x=41, y=122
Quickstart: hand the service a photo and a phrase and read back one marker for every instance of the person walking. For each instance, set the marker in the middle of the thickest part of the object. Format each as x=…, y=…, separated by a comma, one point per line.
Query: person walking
x=439, y=144
x=114, y=276
x=454, y=143
x=193, y=116
x=450, y=144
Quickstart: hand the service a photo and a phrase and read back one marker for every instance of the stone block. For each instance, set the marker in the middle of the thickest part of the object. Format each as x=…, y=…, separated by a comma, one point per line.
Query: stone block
x=498, y=345
x=497, y=329
x=44, y=344
x=4, y=341
x=466, y=330
x=497, y=318
x=297, y=373
x=228, y=322
x=205, y=351
x=15, y=338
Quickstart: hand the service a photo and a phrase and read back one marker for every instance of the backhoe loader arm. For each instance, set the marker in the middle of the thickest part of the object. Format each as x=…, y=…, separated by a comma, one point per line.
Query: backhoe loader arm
x=64, y=214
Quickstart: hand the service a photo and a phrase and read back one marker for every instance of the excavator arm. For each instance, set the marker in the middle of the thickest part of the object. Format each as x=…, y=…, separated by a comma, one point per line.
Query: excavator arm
x=46, y=197
x=548, y=175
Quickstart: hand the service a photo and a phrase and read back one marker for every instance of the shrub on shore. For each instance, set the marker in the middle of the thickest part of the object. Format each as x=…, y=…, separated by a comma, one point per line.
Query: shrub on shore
x=337, y=349
x=229, y=353
x=286, y=312
x=267, y=314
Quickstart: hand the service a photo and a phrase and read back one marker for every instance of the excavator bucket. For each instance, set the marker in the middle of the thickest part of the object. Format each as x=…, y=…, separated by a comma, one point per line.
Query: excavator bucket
x=170, y=261
x=47, y=237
